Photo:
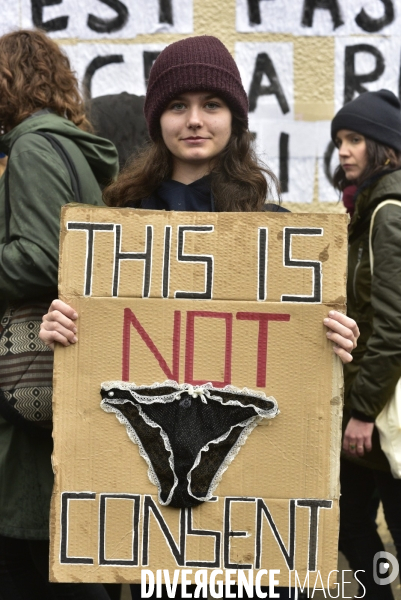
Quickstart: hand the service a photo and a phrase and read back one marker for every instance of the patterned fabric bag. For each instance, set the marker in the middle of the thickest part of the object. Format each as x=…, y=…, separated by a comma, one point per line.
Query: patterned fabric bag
x=26, y=366
x=26, y=363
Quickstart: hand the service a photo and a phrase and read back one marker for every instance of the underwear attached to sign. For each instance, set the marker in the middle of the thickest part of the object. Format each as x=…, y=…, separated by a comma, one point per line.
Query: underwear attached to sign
x=188, y=435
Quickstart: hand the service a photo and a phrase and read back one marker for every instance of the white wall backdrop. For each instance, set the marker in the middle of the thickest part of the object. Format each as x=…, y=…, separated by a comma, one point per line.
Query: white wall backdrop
x=361, y=40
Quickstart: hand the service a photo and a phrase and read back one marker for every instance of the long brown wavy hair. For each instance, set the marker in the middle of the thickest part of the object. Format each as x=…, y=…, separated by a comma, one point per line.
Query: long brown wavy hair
x=36, y=74
x=239, y=181
x=379, y=158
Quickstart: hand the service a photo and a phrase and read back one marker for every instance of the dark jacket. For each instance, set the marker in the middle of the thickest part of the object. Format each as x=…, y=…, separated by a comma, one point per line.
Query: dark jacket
x=120, y=118
x=39, y=186
x=375, y=304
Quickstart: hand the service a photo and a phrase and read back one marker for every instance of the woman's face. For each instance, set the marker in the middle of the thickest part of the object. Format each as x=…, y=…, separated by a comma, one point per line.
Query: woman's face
x=352, y=153
x=196, y=127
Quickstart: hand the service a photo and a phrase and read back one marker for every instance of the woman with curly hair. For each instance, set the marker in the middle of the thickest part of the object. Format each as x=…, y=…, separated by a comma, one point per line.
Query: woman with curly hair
x=38, y=95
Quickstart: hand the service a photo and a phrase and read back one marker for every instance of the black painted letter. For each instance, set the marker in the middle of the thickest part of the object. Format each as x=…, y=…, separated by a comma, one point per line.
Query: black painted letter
x=207, y=260
x=315, y=265
x=352, y=81
x=166, y=262
x=166, y=12
x=314, y=506
x=90, y=228
x=228, y=533
x=135, y=533
x=374, y=25
x=202, y=564
x=310, y=6
x=57, y=24
x=94, y=65
x=254, y=12
x=262, y=263
x=109, y=25
x=289, y=555
x=284, y=160
x=146, y=256
x=149, y=57
x=328, y=155
x=177, y=551
x=66, y=497
x=264, y=66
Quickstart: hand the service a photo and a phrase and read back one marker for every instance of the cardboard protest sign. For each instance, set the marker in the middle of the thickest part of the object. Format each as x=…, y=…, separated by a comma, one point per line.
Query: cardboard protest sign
x=234, y=299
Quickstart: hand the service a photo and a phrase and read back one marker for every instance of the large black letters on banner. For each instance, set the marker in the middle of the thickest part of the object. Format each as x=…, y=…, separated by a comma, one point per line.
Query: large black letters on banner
x=166, y=262
x=374, y=25
x=57, y=24
x=262, y=263
x=102, y=530
x=353, y=82
x=146, y=256
x=96, y=64
x=229, y=533
x=90, y=228
x=149, y=57
x=315, y=265
x=264, y=66
x=207, y=260
x=64, y=518
x=314, y=506
x=166, y=12
x=310, y=6
x=289, y=555
x=177, y=551
x=208, y=533
x=109, y=25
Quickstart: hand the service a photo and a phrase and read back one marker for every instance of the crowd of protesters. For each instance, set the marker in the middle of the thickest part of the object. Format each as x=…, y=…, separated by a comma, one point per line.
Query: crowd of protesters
x=199, y=157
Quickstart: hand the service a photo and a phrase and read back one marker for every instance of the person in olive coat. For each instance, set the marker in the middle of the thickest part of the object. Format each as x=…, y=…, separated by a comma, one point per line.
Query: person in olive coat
x=367, y=133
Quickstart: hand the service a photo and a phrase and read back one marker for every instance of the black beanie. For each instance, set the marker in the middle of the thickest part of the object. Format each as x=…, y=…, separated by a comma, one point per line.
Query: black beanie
x=376, y=115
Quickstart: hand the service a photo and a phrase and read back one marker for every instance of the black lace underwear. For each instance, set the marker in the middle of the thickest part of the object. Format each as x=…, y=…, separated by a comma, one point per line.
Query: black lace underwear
x=188, y=435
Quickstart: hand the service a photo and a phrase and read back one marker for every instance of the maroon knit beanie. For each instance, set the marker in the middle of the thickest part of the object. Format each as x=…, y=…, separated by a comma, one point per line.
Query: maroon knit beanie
x=192, y=65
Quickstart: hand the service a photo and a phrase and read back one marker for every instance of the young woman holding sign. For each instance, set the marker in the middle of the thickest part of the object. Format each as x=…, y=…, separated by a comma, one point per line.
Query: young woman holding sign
x=200, y=159
x=367, y=133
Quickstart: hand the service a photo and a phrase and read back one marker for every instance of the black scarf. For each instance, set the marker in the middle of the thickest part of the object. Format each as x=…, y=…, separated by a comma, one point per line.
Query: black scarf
x=173, y=195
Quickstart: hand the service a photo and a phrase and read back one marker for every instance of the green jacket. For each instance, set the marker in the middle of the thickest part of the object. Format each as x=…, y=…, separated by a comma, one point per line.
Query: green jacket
x=39, y=186
x=375, y=304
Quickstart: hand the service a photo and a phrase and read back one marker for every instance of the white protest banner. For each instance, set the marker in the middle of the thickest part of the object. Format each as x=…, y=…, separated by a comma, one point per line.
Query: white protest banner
x=94, y=19
x=319, y=17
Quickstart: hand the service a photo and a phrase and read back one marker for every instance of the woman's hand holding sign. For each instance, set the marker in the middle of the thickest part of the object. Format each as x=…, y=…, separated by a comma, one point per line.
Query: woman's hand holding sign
x=58, y=325
x=343, y=332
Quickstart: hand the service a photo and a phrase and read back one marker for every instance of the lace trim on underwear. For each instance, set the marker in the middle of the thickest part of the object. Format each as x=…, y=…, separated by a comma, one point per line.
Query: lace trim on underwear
x=205, y=391
x=134, y=438
x=201, y=390
x=249, y=425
